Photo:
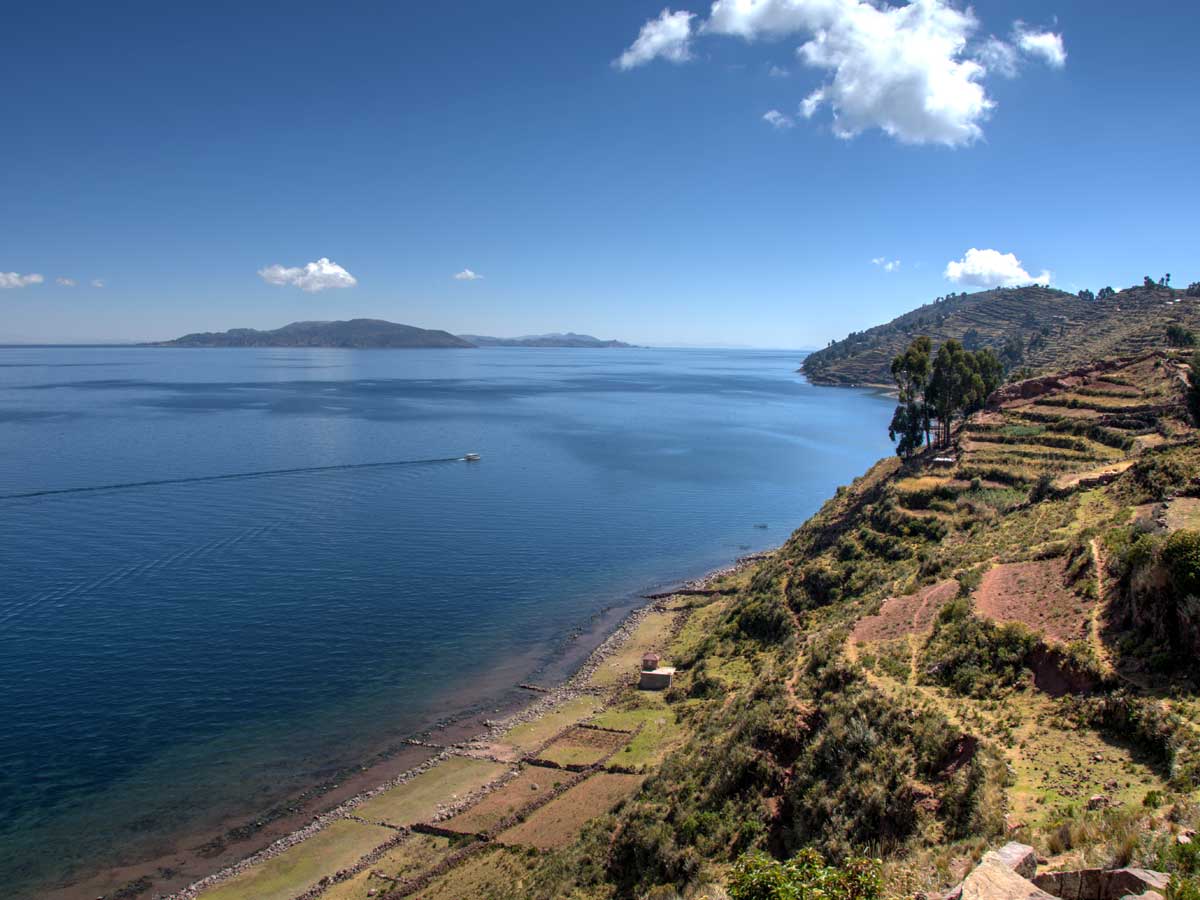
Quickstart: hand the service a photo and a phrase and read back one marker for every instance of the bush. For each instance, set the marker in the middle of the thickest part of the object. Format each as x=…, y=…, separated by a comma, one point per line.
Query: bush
x=804, y=877
x=1181, y=556
x=975, y=657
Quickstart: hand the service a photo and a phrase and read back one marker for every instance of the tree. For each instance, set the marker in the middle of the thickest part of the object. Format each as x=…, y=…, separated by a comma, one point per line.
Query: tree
x=971, y=339
x=1147, y=281
x=910, y=371
x=960, y=383
x=1085, y=294
x=1106, y=292
x=1193, y=289
x=1178, y=336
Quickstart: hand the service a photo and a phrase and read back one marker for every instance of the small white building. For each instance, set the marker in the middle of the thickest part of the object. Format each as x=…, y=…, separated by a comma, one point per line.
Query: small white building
x=654, y=677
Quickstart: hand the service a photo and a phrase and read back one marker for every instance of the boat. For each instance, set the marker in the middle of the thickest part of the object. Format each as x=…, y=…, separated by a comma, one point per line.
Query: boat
x=471, y=457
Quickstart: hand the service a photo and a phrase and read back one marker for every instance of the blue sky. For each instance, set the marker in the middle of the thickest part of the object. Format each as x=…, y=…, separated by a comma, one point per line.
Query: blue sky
x=174, y=152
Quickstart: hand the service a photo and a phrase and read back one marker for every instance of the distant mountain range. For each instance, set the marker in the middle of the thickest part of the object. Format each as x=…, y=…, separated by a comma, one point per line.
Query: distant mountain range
x=557, y=339
x=371, y=334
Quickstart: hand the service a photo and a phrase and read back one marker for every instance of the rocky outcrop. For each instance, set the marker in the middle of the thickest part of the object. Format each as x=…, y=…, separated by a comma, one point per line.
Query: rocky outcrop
x=1098, y=884
x=1010, y=873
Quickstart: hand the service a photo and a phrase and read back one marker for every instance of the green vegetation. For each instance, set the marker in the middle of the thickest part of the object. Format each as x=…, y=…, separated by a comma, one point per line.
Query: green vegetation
x=757, y=876
x=973, y=656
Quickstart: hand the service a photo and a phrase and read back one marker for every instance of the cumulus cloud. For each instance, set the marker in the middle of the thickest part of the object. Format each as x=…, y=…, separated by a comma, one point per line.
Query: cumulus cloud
x=888, y=265
x=910, y=70
x=778, y=72
x=776, y=119
x=467, y=275
x=97, y=282
x=315, y=276
x=667, y=37
x=988, y=268
x=14, y=280
x=65, y=282
x=1045, y=45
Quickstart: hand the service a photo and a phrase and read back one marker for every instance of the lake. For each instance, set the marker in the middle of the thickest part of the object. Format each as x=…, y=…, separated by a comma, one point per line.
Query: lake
x=178, y=649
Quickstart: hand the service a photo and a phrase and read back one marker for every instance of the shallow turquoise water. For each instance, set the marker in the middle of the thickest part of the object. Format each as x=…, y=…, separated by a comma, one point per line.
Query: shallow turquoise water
x=170, y=651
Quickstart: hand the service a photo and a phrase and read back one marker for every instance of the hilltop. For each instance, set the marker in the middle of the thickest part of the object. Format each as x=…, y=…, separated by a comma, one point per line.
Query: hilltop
x=556, y=339
x=995, y=639
x=352, y=334
x=1034, y=328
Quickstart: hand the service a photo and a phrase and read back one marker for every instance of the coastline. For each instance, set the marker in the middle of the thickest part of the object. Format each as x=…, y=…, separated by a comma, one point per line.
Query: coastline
x=469, y=732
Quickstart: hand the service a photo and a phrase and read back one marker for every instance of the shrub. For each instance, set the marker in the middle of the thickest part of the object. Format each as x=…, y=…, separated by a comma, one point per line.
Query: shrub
x=804, y=877
x=972, y=656
x=1181, y=556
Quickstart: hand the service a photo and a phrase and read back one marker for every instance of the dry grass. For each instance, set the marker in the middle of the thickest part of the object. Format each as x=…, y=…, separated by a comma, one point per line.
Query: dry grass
x=419, y=799
x=557, y=823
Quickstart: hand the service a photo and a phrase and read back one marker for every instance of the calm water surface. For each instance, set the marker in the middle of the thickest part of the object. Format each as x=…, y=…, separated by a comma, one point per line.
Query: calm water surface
x=170, y=652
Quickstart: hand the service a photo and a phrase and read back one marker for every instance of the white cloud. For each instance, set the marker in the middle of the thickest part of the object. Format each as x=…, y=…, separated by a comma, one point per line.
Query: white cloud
x=315, y=276
x=998, y=56
x=988, y=268
x=97, y=282
x=910, y=70
x=467, y=275
x=1044, y=44
x=65, y=282
x=776, y=119
x=888, y=265
x=13, y=280
x=778, y=72
x=668, y=37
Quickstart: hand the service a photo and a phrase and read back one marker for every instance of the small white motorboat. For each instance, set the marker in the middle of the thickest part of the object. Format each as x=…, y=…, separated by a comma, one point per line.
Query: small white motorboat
x=471, y=457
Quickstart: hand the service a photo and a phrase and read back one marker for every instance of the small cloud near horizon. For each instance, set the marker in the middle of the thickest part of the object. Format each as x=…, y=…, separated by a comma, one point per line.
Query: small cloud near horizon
x=467, y=275
x=65, y=282
x=16, y=280
x=989, y=268
x=97, y=282
x=778, y=120
x=888, y=265
x=321, y=275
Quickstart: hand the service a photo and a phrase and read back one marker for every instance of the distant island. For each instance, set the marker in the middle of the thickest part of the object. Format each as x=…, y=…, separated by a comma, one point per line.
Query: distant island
x=557, y=339
x=357, y=334
x=372, y=334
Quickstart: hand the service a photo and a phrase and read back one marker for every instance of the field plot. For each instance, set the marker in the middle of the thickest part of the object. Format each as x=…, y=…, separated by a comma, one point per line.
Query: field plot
x=911, y=614
x=530, y=785
x=498, y=872
x=558, y=822
x=417, y=855
x=584, y=746
x=530, y=735
x=300, y=867
x=660, y=730
x=1037, y=594
x=419, y=799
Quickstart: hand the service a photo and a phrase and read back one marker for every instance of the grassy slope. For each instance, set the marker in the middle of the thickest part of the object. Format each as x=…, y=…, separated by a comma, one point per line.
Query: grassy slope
x=1066, y=330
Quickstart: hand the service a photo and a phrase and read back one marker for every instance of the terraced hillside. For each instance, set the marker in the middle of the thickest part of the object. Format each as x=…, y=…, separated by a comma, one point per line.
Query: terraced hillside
x=1053, y=329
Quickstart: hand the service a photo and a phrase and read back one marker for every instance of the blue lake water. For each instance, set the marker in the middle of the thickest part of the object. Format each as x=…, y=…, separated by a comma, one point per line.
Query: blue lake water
x=171, y=652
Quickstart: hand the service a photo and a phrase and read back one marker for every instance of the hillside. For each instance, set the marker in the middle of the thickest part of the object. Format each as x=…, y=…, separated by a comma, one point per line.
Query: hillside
x=358, y=334
x=557, y=339
x=995, y=642
x=1051, y=328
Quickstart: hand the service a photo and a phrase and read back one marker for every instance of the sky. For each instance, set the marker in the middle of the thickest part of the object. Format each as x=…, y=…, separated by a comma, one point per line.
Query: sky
x=768, y=173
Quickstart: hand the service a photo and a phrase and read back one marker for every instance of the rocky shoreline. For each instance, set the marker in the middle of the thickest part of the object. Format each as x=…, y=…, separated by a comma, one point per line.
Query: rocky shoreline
x=575, y=686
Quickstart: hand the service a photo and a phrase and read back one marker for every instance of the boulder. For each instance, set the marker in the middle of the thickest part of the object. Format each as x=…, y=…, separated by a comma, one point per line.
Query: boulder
x=1134, y=881
x=993, y=880
x=1097, y=884
x=1021, y=858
